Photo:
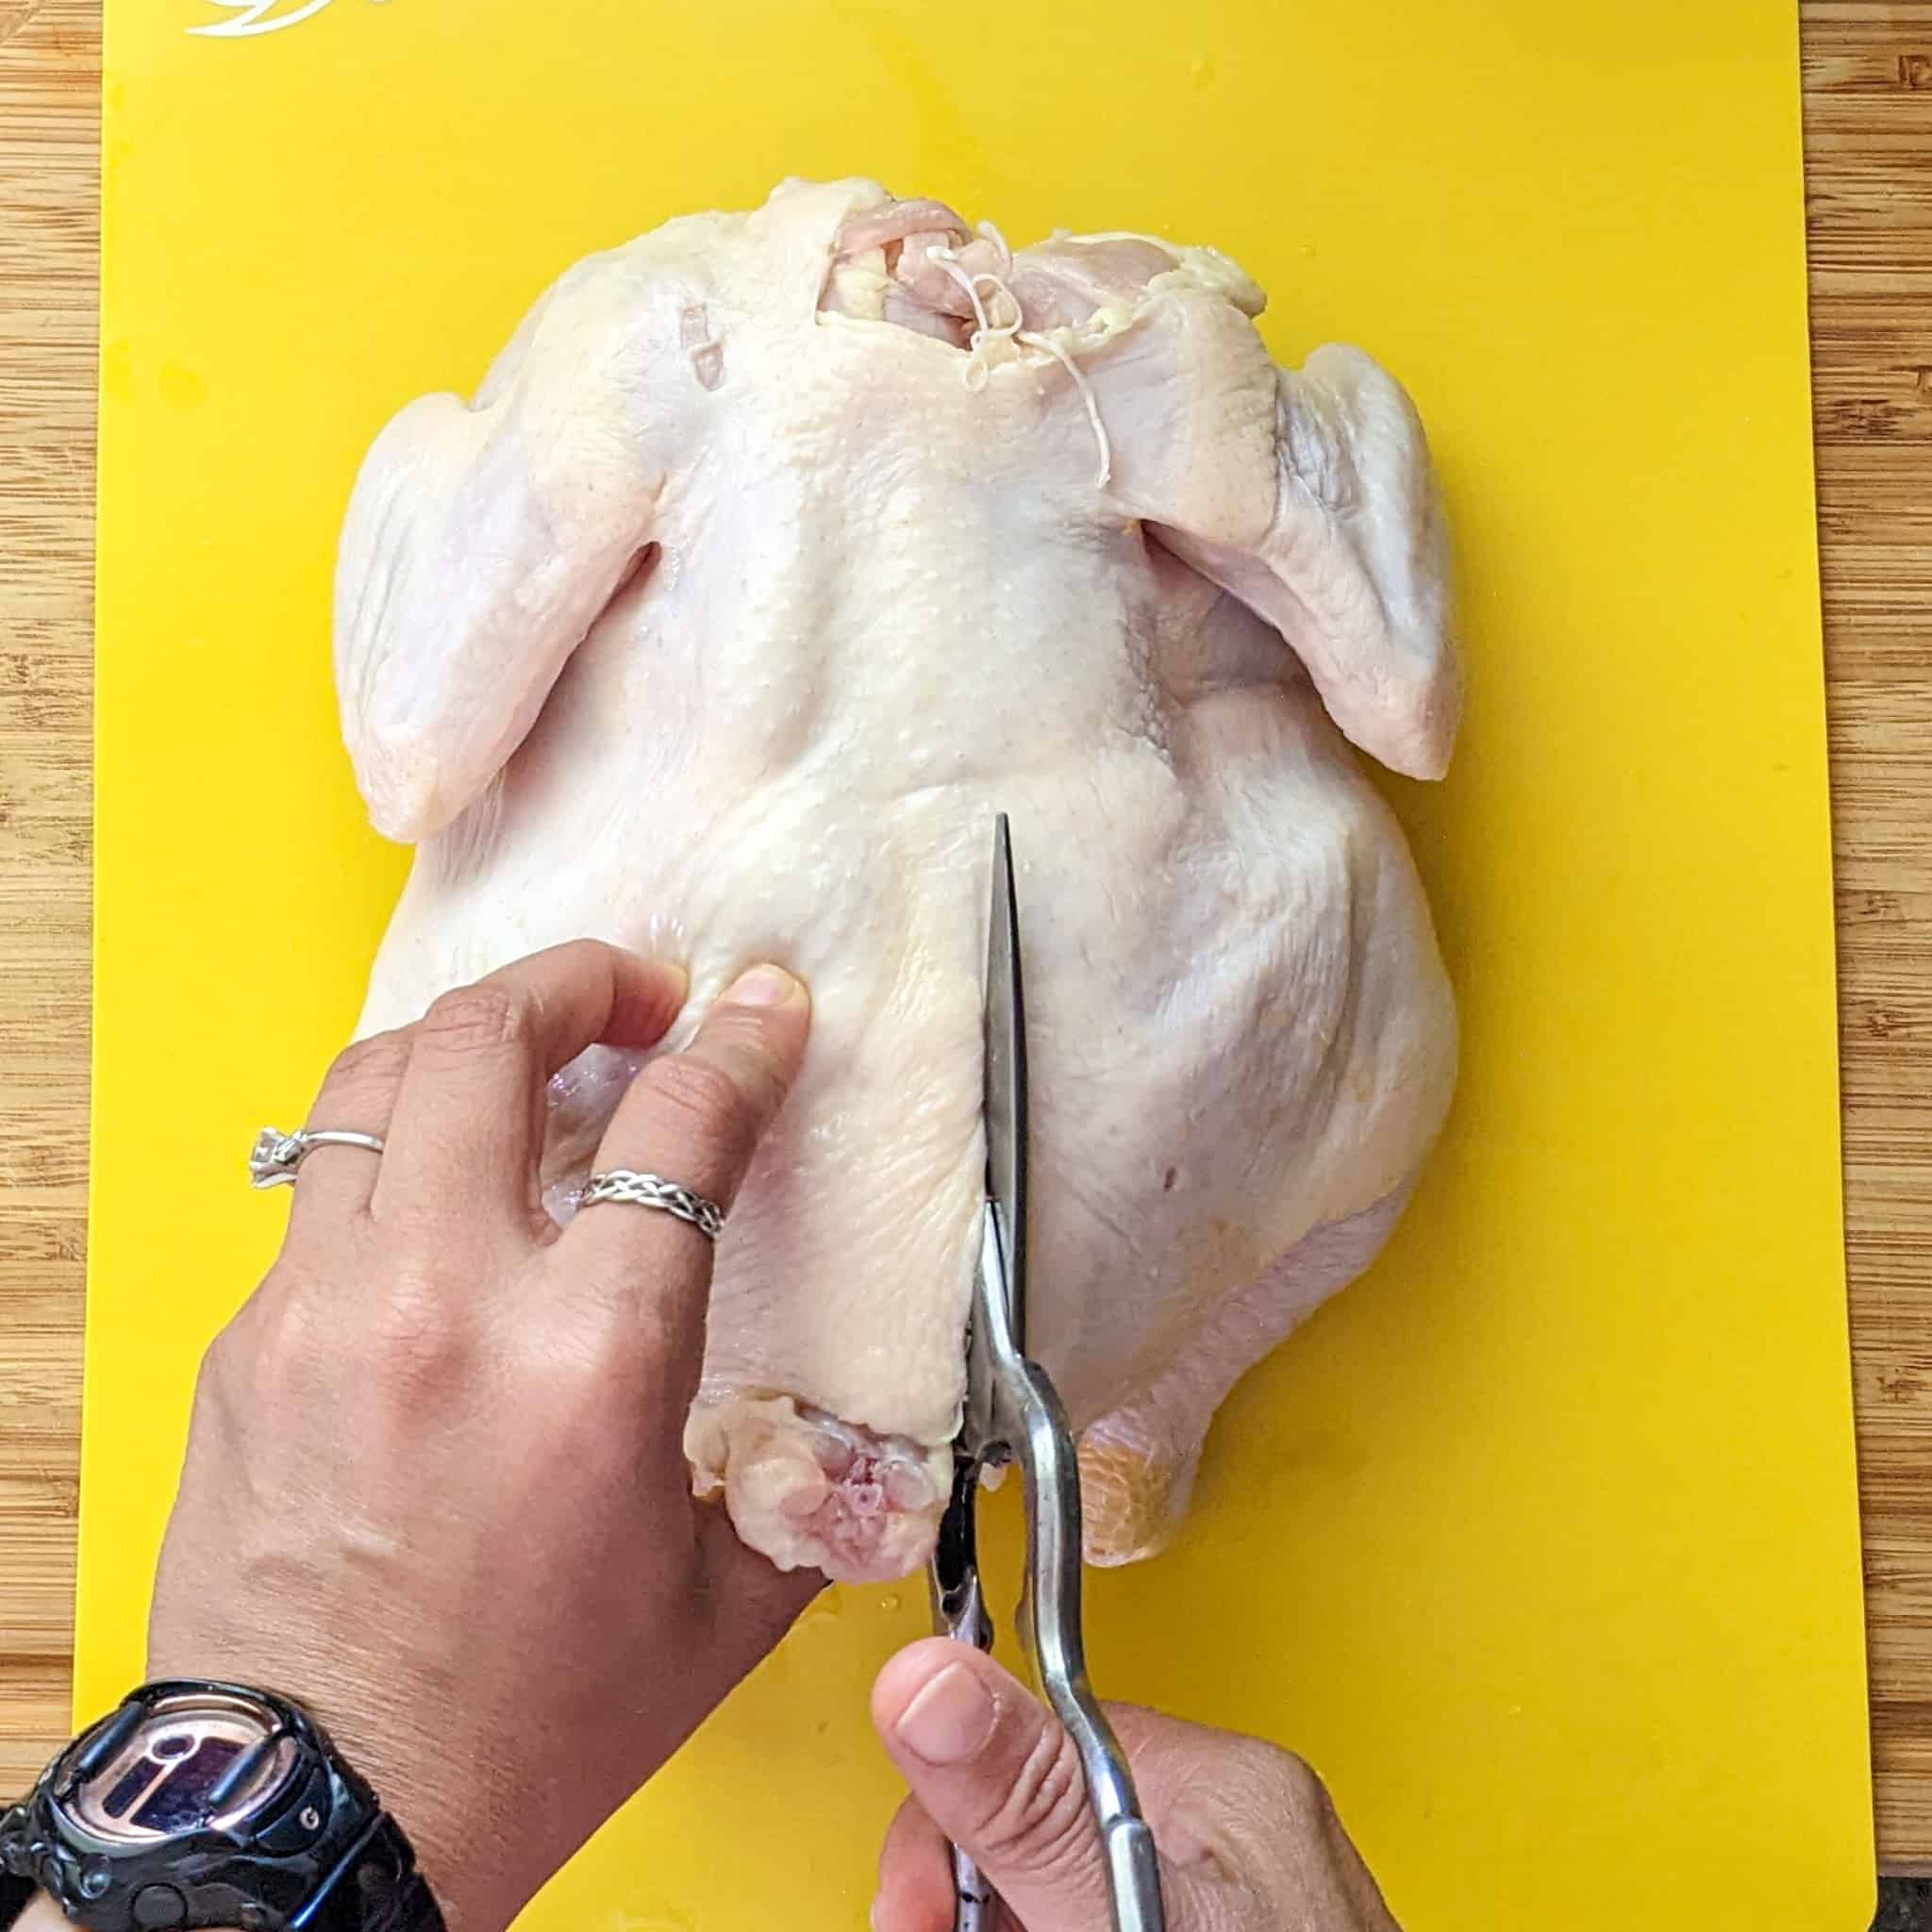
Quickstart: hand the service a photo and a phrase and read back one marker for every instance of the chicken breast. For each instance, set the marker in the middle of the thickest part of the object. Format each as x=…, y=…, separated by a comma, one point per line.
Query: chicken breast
x=778, y=552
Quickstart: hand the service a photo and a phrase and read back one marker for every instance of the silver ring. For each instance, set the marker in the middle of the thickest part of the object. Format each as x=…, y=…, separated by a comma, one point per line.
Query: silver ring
x=652, y=1190
x=277, y=1154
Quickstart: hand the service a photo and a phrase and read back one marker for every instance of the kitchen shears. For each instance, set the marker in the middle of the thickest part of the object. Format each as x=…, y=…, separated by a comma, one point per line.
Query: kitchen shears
x=1013, y=1413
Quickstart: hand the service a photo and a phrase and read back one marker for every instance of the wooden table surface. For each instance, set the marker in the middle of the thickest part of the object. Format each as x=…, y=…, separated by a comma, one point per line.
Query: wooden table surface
x=1868, y=95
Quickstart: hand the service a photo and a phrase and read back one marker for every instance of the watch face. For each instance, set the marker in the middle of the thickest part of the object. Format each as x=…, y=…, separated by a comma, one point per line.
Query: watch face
x=177, y=1771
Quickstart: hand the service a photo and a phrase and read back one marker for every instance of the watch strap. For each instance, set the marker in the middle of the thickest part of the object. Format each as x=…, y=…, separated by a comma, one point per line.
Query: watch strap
x=376, y=1888
x=17, y=1886
x=16, y=1894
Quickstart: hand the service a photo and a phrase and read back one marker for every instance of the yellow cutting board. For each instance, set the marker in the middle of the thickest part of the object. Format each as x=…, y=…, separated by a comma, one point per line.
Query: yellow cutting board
x=1540, y=1543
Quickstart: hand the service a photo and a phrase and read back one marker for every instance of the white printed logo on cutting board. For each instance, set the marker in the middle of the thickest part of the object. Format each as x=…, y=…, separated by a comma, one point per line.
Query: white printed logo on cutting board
x=251, y=17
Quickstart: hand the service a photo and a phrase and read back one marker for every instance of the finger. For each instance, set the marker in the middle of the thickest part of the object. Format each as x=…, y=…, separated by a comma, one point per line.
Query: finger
x=999, y=1776
x=915, y=1885
x=693, y=1118
x=358, y=1096
x=468, y=1128
x=1247, y=1833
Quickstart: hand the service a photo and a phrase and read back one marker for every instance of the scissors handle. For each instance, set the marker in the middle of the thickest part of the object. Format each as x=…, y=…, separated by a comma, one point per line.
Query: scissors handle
x=958, y=1606
x=1051, y=1622
x=973, y=1897
x=958, y=1611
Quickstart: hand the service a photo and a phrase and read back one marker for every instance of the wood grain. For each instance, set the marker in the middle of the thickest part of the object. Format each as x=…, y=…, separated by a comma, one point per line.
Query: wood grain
x=49, y=87
x=1868, y=89
x=1868, y=99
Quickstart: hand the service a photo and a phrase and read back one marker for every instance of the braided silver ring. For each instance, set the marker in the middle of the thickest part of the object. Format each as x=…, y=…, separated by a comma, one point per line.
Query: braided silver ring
x=652, y=1190
x=277, y=1154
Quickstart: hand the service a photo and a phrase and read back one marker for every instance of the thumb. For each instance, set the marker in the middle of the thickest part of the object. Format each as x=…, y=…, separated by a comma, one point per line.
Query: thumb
x=998, y=1774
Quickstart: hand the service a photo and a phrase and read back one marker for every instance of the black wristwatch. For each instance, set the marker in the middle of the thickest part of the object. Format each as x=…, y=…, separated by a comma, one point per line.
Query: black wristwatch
x=200, y=1804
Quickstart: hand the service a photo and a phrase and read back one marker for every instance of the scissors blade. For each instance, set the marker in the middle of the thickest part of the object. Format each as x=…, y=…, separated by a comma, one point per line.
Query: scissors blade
x=1004, y=1028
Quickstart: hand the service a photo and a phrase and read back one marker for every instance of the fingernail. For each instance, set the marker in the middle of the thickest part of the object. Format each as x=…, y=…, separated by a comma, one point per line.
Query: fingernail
x=949, y=1720
x=763, y=986
x=876, y=1918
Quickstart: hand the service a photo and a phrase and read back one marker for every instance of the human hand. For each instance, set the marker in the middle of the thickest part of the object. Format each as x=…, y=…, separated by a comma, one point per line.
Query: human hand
x=1248, y=1838
x=434, y=1487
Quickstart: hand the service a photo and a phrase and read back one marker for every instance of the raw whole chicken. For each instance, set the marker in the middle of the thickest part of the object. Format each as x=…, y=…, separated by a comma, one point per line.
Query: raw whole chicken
x=775, y=555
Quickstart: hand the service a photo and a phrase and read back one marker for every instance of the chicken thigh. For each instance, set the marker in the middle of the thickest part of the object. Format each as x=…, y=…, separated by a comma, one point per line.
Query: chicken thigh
x=775, y=555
